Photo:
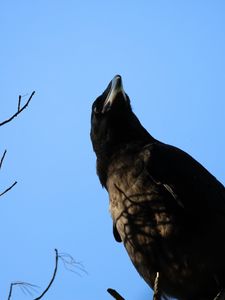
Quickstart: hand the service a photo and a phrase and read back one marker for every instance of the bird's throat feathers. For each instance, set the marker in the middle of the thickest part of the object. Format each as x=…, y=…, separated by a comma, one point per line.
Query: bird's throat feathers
x=108, y=153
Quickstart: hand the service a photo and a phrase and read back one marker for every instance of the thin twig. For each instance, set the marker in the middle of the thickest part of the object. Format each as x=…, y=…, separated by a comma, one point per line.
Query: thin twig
x=53, y=276
x=115, y=294
x=20, y=109
x=156, y=295
x=19, y=102
x=3, y=156
x=71, y=264
x=220, y=295
x=10, y=290
x=9, y=188
x=23, y=285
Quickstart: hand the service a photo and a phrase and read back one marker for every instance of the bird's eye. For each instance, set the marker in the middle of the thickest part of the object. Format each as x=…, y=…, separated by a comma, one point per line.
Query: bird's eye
x=97, y=111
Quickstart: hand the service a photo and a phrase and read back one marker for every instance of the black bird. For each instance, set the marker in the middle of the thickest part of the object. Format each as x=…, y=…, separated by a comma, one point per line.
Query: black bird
x=167, y=209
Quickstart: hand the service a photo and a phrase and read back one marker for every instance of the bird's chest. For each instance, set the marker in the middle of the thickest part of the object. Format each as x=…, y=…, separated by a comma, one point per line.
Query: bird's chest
x=138, y=205
x=139, y=210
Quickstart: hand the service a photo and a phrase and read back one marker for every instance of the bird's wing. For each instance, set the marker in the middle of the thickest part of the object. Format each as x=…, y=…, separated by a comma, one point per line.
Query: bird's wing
x=116, y=233
x=189, y=183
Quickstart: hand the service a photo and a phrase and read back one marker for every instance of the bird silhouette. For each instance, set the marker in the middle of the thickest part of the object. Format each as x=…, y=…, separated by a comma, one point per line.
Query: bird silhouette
x=167, y=209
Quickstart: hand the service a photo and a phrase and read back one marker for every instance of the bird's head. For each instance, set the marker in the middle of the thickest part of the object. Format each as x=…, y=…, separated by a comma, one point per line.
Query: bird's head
x=112, y=100
x=113, y=124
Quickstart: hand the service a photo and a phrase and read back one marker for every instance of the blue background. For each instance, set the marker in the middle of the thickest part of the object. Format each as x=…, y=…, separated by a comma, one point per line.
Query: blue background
x=171, y=55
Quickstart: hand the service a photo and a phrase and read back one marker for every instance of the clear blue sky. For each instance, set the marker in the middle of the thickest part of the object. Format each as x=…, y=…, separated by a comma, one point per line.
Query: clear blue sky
x=171, y=55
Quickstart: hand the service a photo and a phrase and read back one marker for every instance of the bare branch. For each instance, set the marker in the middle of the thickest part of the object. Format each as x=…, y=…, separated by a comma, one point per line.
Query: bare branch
x=69, y=263
x=9, y=188
x=53, y=276
x=25, y=287
x=3, y=156
x=19, y=110
x=115, y=294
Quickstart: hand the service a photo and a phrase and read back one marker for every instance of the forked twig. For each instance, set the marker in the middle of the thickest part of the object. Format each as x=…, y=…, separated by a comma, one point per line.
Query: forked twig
x=25, y=286
x=67, y=260
x=19, y=109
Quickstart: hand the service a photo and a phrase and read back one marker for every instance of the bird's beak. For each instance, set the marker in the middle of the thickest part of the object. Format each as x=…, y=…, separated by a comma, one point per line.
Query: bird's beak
x=114, y=88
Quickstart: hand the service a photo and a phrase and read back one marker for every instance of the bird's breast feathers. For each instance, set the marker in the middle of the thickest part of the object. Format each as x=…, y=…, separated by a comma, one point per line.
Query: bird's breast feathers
x=136, y=201
x=141, y=213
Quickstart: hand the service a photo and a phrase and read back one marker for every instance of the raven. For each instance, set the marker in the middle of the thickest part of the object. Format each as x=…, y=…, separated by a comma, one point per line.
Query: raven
x=167, y=209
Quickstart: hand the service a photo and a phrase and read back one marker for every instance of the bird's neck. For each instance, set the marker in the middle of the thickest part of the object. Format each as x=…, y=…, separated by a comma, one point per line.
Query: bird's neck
x=110, y=151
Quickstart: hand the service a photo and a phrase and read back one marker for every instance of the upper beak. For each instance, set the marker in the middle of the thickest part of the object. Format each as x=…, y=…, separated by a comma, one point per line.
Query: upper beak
x=114, y=88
